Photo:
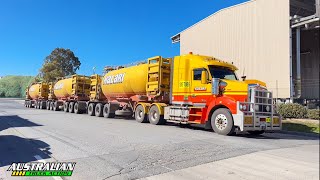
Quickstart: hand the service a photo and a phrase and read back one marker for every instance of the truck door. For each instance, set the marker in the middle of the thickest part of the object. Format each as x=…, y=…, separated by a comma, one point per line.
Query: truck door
x=200, y=86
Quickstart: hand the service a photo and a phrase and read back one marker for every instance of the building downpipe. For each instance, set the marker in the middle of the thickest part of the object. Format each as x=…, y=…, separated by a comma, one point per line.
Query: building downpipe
x=298, y=79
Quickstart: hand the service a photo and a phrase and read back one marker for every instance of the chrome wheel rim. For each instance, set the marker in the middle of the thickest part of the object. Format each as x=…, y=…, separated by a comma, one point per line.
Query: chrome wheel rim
x=140, y=114
x=154, y=115
x=221, y=121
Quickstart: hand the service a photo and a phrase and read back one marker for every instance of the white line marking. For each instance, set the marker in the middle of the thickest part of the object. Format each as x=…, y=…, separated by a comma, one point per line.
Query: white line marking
x=40, y=159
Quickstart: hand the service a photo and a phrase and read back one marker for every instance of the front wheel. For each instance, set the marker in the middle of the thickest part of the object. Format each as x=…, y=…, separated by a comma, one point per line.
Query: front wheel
x=222, y=122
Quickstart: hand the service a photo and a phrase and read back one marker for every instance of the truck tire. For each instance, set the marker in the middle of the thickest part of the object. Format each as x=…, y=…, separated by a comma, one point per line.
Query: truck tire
x=66, y=106
x=56, y=106
x=76, y=108
x=43, y=105
x=52, y=105
x=256, y=132
x=106, y=111
x=222, y=122
x=155, y=117
x=71, y=107
x=140, y=115
x=98, y=110
x=91, y=109
x=48, y=105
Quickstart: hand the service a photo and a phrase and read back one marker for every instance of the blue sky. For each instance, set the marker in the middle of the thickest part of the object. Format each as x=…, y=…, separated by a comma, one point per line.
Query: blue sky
x=99, y=32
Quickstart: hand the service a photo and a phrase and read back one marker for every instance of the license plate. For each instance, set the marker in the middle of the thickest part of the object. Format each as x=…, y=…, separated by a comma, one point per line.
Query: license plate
x=268, y=120
x=263, y=127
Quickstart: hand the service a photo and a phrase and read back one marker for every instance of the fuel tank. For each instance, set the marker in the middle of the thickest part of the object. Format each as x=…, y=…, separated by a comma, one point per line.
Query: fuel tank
x=125, y=82
x=38, y=90
x=63, y=88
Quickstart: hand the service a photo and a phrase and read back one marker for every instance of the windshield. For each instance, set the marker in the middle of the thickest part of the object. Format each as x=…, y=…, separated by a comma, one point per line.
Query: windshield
x=222, y=73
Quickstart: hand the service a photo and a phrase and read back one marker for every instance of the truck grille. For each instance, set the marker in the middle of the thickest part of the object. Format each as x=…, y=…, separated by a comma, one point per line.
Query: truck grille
x=262, y=101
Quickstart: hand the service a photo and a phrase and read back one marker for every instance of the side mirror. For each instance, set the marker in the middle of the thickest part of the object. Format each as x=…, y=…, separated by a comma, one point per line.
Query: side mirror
x=204, y=77
x=243, y=78
x=222, y=86
x=218, y=86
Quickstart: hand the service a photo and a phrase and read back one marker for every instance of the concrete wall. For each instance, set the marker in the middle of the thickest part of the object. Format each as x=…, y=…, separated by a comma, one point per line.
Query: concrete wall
x=254, y=35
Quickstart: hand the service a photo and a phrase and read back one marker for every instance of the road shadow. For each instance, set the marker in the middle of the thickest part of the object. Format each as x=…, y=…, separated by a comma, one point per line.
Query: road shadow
x=267, y=135
x=18, y=149
x=15, y=121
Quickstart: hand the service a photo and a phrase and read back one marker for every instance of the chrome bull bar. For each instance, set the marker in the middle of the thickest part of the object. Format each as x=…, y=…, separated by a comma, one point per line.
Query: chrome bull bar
x=259, y=111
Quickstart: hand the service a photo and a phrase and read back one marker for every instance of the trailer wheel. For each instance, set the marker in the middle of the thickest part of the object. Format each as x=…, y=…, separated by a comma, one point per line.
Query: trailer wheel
x=106, y=111
x=56, y=106
x=98, y=110
x=48, y=105
x=51, y=105
x=155, y=117
x=222, y=122
x=91, y=109
x=71, y=107
x=66, y=106
x=41, y=106
x=140, y=114
x=76, y=108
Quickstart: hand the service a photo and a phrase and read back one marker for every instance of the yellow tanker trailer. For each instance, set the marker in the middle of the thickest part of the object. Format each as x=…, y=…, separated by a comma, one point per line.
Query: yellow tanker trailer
x=70, y=94
x=123, y=88
x=37, y=95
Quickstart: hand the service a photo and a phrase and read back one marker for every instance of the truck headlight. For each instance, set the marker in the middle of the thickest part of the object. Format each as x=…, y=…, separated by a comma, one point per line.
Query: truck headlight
x=256, y=107
x=268, y=108
x=243, y=107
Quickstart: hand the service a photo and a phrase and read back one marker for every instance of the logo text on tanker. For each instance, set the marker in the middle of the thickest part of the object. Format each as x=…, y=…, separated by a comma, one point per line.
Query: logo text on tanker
x=31, y=89
x=114, y=79
x=58, y=86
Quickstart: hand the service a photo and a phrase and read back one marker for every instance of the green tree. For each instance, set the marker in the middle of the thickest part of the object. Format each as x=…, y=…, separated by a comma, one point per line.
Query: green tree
x=14, y=86
x=60, y=63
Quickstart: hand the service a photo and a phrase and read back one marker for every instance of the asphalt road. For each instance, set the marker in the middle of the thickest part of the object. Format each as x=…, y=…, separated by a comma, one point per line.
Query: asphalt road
x=118, y=148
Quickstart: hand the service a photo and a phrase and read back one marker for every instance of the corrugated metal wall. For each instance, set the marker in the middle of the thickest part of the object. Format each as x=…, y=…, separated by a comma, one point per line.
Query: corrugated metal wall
x=253, y=35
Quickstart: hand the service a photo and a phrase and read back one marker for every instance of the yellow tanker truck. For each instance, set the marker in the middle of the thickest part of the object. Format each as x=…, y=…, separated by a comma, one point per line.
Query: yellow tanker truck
x=186, y=89
x=70, y=94
x=37, y=95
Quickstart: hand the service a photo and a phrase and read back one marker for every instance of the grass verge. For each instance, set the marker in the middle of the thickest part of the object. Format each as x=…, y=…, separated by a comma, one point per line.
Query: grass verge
x=301, y=125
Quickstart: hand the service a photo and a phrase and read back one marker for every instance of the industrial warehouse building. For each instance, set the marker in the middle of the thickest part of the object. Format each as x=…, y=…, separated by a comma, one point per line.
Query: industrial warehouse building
x=276, y=41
